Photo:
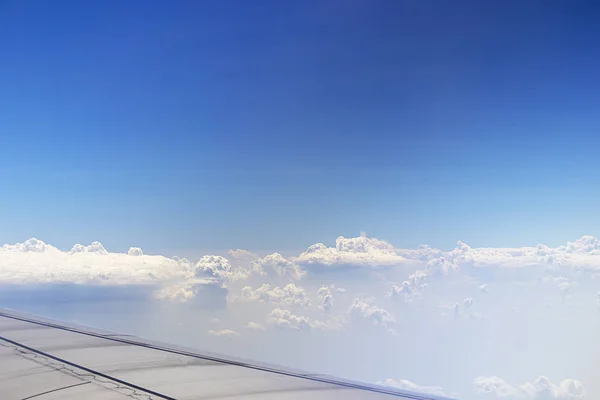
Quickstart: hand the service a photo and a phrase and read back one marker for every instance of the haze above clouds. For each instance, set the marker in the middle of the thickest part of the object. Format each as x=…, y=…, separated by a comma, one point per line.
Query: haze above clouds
x=479, y=323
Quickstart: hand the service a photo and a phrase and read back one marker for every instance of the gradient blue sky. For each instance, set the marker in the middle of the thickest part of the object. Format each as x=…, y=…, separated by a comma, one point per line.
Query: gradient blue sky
x=272, y=125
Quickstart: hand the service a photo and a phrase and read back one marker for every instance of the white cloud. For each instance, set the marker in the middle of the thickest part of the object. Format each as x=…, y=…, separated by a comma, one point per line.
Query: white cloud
x=290, y=294
x=468, y=302
x=36, y=262
x=242, y=254
x=31, y=245
x=374, y=314
x=285, y=319
x=282, y=318
x=135, y=251
x=95, y=247
x=351, y=252
x=209, y=293
x=411, y=288
x=325, y=295
x=224, y=333
x=220, y=267
x=540, y=389
x=494, y=386
x=279, y=265
x=537, y=307
x=404, y=384
x=543, y=389
x=255, y=326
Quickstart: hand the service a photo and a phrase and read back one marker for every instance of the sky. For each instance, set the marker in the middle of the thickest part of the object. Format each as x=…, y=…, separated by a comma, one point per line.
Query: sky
x=215, y=164
x=218, y=124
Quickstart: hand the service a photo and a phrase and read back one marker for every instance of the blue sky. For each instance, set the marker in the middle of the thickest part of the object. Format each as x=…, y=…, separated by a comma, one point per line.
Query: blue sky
x=268, y=125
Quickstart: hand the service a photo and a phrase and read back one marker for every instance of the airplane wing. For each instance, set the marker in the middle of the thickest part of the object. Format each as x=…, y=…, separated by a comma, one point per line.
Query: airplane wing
x=43, y=359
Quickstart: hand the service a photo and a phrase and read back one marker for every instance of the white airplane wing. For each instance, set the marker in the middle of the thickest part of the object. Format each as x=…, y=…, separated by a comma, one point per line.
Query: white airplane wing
x=43, y=359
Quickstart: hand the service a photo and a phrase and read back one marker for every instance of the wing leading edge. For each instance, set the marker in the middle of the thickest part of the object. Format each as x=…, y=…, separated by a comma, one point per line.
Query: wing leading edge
x=44, y=359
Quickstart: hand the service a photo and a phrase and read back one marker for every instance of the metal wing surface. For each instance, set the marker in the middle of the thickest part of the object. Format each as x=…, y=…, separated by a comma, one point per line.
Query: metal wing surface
x=44, y=359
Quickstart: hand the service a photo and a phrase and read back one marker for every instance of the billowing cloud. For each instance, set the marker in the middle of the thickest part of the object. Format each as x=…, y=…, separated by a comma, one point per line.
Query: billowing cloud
x=540, y=389
x=468, y=302
x=32, y=245
x=279, y=265
x=413, y=387
x=290, y=294
x=282, y=318
x=206, y=293
x=135, y=251
x=494, y=386
x=255, y=326
x=34, y=261
x=351, y=252
x=221, y=268
x=242, y=254
x=325, y=295
x=285, y=319
x=95, y=247
x=372, y=313
x=334, y=300
x=224, y=333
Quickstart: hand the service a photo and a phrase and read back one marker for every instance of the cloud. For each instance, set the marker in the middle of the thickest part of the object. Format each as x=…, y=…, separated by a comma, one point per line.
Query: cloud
x=325, y=295
x=290, y=294
x=361, y=252
x=32, y=245
x=528, y=300
x=284, y=319
x=242, y=254
x=540, y=389
x=279, y=265
x=468, y=302
x=224, y=333
x=135, y=251
x=374, y=314
x=404, y=384
x=492, y=385
x=34, y=261
x=255, y=326
x=220, y=267
x=95, y=247
x=205, y=293
x=411, y=288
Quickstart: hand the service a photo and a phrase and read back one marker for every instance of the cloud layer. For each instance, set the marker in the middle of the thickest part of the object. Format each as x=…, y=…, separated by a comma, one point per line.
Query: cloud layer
x=460, y=318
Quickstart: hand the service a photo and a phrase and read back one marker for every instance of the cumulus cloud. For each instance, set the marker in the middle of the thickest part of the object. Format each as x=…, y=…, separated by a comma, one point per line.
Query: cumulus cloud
x=255, y=326
x=528, y=300
x=404, y=384
x=34, y=261
x=95, y=247
x=242, y=254
x=325, y=295
x=290, y=294
x=279, y=265
x=207, y=293
x=135, y=251
x=492, y=385
x=224, y=333
x=284, y=319
x=32, y=245
x=351, y=252
x=221, y=268
x=372, y=313
x=468, y=302
x=411, y=288
x=540, y=389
